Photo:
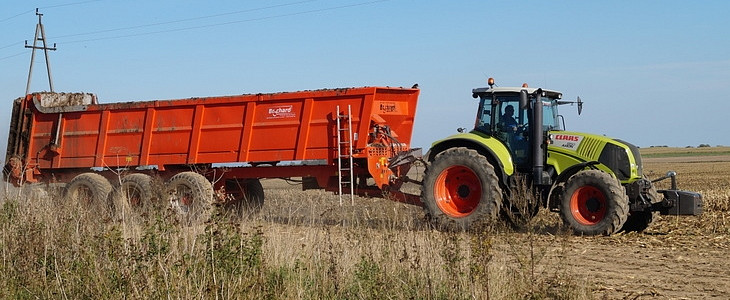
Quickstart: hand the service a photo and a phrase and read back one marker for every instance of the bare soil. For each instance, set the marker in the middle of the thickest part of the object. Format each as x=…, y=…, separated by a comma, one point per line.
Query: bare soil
x=676, y=258
x=655, y=265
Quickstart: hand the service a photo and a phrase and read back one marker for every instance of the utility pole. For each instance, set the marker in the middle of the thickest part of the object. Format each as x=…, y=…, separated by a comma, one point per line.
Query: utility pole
x=42, y=37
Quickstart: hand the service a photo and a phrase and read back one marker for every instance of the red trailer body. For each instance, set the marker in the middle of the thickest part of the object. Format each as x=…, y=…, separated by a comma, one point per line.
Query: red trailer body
x=58, y=136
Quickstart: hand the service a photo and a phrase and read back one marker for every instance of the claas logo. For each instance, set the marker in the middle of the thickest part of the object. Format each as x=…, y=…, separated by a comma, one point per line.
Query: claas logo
x=563, y=137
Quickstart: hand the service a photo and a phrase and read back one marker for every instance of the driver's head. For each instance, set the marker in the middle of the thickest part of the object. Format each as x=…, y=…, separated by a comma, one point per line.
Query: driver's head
x=509, y=110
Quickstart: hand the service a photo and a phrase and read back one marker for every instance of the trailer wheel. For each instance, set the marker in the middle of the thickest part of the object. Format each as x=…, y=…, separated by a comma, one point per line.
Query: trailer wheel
x=639, y=221
x=460, y=188
x=247, y=196
x=135, y=191
x=191, y=195
x=90, y=190
x=594, y=203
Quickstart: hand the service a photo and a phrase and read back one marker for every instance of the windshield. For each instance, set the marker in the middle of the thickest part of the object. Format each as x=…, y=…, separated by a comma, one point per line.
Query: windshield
x=550, y=114
x=507, y=115
x=505, y=108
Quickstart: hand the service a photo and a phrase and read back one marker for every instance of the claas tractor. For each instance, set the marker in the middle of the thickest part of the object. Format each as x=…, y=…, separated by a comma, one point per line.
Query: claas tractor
x=596, y=183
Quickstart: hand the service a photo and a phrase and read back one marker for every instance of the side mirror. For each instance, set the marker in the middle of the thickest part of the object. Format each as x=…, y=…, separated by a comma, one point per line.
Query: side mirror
x=523, y=99
x=580, y=106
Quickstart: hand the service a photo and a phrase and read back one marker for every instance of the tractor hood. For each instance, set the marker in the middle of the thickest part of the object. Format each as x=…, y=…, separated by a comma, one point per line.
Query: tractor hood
x=567, y=148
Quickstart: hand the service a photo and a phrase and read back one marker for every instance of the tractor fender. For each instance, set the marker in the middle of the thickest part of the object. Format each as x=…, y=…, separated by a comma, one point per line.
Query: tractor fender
x=567, y=173
x=496, y=153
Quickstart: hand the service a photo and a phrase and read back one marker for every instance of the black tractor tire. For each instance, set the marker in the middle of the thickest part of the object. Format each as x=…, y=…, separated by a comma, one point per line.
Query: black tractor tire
x=247, y=196
x=461, y=190
x=594, y=203
x=191, y=195
x=639, y=221
x=90, y=190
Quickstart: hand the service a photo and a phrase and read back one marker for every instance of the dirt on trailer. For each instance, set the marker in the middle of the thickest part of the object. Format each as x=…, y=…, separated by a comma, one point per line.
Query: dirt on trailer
x=686, y=257
x=66, y=99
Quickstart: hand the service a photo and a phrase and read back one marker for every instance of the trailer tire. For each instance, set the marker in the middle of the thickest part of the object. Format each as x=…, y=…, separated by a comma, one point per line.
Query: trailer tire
x=134, y=192
x=191, y=195
x=247, y=196
x=460, y=190
x=593, y=203
x=639, y=221
x=90, y=190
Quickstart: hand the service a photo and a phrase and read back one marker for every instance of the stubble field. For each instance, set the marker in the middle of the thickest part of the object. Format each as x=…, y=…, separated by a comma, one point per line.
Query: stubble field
x=305, y=245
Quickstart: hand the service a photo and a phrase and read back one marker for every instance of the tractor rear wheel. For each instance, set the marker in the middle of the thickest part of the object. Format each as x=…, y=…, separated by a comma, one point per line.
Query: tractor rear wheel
x=191, y=194
x=461, y=189
x=90, y=190
x=593, y=202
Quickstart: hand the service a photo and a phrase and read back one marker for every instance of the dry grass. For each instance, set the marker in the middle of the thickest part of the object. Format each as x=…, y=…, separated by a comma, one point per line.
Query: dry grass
x=303, y=245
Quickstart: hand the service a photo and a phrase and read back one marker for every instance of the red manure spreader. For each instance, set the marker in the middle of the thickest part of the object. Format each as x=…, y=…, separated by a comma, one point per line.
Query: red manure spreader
x=215, y=149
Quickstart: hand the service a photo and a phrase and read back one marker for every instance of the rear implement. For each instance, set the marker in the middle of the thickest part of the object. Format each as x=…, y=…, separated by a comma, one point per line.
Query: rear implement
x=342, y=140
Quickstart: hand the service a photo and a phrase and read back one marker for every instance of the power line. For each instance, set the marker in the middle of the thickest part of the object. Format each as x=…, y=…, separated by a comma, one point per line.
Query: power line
x=46, y=7
x=10, y=45
x=148, y=25
x=227, y=23
x=15, y=16
x=69, y=4
x=184, y=20
x=11, y=56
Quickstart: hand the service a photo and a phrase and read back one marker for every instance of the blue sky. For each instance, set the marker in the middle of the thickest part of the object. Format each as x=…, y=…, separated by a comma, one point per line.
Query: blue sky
x=650, y=72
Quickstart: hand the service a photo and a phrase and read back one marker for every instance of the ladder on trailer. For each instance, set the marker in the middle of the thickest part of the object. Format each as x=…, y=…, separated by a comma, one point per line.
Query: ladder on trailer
x=344, y=154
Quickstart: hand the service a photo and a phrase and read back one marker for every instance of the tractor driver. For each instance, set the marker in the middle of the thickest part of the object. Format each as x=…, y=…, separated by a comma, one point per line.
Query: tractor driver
x=509, y=124
x=512, y=136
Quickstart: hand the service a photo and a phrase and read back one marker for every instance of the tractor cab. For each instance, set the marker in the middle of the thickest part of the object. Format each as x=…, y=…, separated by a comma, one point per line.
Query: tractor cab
x=502, y=116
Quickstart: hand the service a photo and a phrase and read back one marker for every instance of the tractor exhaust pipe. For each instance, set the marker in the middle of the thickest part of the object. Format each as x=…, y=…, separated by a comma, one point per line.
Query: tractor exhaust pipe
x=538, y=155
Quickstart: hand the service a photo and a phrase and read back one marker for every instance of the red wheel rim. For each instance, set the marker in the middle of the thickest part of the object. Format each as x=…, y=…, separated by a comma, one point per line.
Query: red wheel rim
x=588, y=205
x=458, y=191
x=184, y=196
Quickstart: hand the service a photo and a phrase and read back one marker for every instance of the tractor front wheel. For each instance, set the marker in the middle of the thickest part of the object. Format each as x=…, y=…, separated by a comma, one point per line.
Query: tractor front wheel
x=460, y=188
x=594, y=203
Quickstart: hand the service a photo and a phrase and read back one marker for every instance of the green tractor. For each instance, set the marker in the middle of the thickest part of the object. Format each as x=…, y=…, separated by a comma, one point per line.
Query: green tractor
x=596, y=183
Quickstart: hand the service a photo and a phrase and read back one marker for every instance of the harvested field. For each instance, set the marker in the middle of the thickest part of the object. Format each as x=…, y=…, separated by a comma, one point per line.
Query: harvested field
x=676, y=258
x=305, y=245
